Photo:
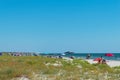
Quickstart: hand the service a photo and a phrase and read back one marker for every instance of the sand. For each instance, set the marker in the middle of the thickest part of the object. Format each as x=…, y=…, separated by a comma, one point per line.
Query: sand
x=111, y=63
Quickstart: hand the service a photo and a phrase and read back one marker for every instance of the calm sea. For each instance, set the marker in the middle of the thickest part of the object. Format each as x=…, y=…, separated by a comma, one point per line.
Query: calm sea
x=93, y=55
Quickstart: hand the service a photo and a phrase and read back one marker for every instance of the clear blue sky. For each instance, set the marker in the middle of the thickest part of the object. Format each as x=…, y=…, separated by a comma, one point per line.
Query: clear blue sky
x=60, y=25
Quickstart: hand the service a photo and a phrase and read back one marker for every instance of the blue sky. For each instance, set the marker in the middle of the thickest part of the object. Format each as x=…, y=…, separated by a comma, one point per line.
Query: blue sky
x=60, y=25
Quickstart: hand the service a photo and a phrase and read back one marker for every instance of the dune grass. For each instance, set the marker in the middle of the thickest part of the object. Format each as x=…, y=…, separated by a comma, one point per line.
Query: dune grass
x=41, y=68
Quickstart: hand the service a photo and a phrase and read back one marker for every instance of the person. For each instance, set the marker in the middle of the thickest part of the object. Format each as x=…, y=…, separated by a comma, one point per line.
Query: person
x=100, y=60
x=72, y=57
x=103, y=61
x=0, y=54
x=60, y=57
x=88, y=56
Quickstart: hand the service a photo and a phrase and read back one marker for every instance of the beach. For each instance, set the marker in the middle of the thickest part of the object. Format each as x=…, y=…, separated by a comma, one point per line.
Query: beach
x=111, y=63
x=55, y=68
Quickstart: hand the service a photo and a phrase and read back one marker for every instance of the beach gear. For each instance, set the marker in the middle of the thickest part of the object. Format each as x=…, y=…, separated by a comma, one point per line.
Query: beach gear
x=97, y=59
x=109, y=54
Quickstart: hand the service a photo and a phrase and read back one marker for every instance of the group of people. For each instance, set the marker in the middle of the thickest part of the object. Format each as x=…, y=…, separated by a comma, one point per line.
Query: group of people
x=100, y=61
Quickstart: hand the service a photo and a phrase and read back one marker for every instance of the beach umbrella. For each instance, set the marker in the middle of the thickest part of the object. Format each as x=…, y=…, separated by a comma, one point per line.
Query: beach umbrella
x=97, y=59
x=109, y=54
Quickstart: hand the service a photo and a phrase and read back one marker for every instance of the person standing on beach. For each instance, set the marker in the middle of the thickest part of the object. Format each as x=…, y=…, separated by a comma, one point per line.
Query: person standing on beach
x=88, y=56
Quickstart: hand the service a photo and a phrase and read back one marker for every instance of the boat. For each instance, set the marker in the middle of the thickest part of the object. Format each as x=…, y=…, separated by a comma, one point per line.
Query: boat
x=68, y=52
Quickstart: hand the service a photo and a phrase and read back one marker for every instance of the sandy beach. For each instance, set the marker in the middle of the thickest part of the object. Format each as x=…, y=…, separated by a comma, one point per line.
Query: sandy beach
x=111, y=63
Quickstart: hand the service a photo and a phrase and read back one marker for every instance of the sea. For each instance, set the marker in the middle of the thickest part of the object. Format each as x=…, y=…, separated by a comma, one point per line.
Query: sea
x=83, y=55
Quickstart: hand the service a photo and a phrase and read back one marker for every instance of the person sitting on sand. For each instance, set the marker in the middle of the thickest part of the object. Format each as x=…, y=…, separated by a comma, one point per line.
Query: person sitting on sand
x=100, y=60
x=103, y=61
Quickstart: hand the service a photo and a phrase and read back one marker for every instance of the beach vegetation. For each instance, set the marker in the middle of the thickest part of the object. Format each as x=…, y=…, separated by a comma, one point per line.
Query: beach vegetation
x=41, y=68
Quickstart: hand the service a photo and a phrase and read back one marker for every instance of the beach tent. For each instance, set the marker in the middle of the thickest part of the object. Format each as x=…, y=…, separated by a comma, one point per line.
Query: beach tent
x=109, y=54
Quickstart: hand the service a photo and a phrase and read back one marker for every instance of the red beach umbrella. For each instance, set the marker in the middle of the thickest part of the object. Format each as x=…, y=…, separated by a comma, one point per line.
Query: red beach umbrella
x=109, y=54
x=97, y=59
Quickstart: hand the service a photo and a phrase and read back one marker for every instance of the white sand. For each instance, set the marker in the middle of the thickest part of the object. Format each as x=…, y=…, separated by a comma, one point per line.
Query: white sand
x=111, y=63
